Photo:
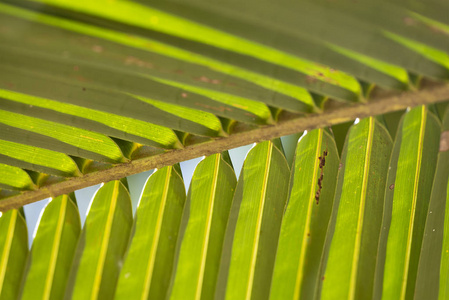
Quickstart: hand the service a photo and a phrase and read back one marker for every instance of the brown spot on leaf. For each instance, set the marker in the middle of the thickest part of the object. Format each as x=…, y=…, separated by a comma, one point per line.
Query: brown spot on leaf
x=438, y=30
x=184, y=95
x=220, y=108
x=444, y=141
x=204, y=79
x=97, y=49
x=131, y=60
x=310, y=79
x=409, y=21
x=391, y=187
x=322, y=160
x=81, y=78
x=317, y=196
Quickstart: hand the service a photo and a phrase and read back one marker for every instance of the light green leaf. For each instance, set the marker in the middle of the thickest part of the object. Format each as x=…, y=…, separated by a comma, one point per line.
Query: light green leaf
x=89, y=76
x=435, y=55
x=15, y=178
x=394, y=72
x=110, y=102
x=368, y=29
x=148, y=264
x=13, y=252
x=254, y=224
x=432, y=279
x=360, y=192
x=407, y=196
x=148, y=50
x=303, y=232
x=233, y=107
x=432, y=24
x=52, y=251
x=78, y=142
x=90, y=119
x=37, y=159
x=209, y=202
x=444, y=267
x=102, y=244
x=158, y=20
x=278, y=27
x=209, y=121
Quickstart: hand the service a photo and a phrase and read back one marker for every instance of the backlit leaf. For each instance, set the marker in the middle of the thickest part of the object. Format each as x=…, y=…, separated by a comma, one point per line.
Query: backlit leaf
x=148, y=264
x=102, y=244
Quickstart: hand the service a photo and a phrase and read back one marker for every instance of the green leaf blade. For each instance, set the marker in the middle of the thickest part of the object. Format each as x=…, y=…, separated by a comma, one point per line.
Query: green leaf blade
x=291, y=97
x=210, y=122
x=148, y=265
x=81, y=142
x=352, y=256
x=303, y=232
x=53, y=250
x=412, y=172
x=231, y=106
x=438, y=57
x=257, y=211
x=444, y=274
x=15, y=178
x=210, y=196
x=179, y=26
x=37, y=159
x=431, y=281
x=124, y=128
x=102, y=244
x=13, y=252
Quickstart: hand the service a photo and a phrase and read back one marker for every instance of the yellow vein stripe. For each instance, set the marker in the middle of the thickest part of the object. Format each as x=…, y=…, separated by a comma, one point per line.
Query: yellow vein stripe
x=104, y=243
x=415, y=193
x=157, y=233
x=54, y=249
x=358, y=237
x=209, y=223
x=300, y=273
x=259, y=221
x=7, y=247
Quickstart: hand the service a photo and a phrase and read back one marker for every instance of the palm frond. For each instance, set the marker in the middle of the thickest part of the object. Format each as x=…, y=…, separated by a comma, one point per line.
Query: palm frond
x=278, y=232
x=93, y=91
